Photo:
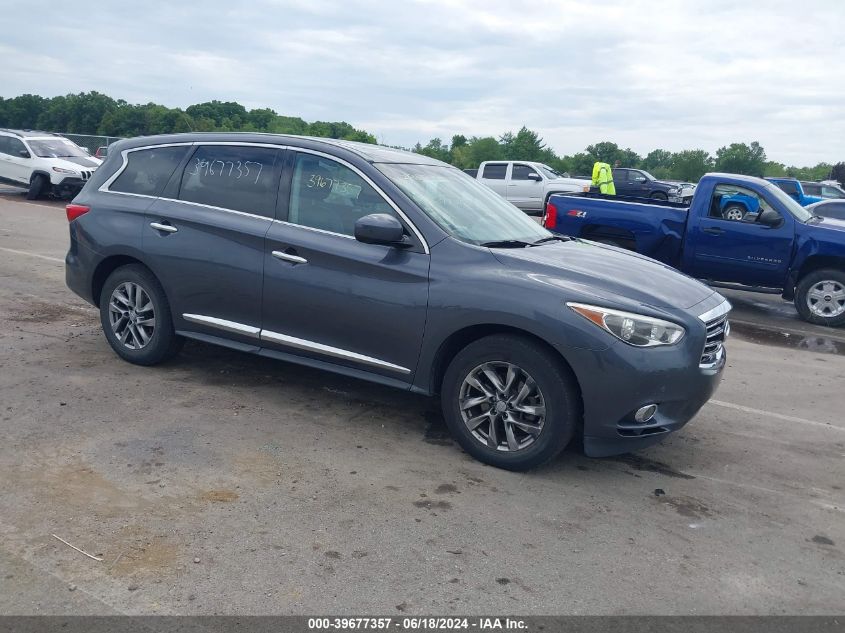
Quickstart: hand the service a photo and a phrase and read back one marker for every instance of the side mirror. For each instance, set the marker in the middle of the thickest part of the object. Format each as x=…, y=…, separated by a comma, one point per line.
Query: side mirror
x=23, y=153
x=380, y=228
x=535, y=176
x=770, y=218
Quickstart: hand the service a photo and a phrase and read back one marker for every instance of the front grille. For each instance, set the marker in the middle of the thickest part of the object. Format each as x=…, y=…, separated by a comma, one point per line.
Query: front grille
x=87, y=174
x=717, y=329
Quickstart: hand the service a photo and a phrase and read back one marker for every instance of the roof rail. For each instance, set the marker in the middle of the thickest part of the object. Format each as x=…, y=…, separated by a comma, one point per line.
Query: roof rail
x=13, y=132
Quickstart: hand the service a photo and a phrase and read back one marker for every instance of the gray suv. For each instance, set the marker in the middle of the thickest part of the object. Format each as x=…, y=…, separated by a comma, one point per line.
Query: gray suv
x=393, y=267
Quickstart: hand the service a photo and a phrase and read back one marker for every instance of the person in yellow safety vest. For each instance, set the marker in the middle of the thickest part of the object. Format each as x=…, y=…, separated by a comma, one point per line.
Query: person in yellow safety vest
x=603, y=178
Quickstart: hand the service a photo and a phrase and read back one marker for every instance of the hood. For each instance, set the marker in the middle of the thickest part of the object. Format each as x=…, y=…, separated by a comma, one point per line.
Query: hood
x=83, y=161
x=827, y=224
x=607, y=274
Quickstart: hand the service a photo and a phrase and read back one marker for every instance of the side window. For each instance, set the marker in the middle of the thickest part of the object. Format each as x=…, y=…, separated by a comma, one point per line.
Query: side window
x=812, y=189
x=789, y=187
x=329, y=196
x=12, y=146
x=520, y=172
x=148, y=170
x=495, y=171
x=736, y=204
x=5, y=147
x=830, y=192
x=237, y=177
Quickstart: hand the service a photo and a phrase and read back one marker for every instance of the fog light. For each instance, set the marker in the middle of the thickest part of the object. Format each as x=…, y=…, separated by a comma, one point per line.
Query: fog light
x=646, y=413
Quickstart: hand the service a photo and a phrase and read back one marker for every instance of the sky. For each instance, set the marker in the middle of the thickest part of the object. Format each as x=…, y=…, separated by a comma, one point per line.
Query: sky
x=645, y=74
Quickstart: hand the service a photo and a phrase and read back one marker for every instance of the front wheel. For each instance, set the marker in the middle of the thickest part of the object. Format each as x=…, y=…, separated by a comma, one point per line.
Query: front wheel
x=510, y=402
x=36, y=186
x=657, y=195
x=820, y=297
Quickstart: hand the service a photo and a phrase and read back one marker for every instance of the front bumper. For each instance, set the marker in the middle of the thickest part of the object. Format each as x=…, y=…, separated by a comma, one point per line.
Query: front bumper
x=617, y=381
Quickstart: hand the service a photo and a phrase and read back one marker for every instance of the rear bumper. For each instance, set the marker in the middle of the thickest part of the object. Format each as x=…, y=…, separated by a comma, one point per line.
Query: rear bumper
x=79, y=264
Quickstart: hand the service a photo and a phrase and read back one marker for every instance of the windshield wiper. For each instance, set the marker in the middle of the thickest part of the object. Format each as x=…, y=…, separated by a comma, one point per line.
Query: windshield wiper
x=552, y=238
x=506, y=244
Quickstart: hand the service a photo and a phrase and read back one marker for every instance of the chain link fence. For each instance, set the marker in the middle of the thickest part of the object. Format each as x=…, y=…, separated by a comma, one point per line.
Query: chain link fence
x=91, y=141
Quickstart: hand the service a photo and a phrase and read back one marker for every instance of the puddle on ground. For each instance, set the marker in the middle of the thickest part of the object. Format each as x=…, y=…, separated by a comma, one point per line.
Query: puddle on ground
x=765, y=336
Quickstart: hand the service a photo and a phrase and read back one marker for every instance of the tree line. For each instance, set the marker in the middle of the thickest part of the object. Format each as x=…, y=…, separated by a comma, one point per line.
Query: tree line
x=96, y=113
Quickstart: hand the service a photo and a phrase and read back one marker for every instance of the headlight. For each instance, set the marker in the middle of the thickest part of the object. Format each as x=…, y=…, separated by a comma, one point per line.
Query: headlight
x=634, y=329
x=62, y=170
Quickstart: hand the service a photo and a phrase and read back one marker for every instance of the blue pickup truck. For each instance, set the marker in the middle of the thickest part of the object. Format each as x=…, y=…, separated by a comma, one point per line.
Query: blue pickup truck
x=737, y=232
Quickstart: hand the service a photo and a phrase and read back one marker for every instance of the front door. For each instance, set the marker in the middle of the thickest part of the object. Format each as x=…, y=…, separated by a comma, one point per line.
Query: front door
x=17, y=167
x=730, y=245
x=331, y=298
x=525, y=187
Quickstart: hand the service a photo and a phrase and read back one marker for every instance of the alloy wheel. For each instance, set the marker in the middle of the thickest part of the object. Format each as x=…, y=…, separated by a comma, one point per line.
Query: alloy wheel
x=132, y=315
x=502, y=406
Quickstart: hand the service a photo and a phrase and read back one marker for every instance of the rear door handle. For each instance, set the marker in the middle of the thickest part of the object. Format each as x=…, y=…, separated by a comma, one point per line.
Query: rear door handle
x=294, y=259
x=167, y=228
x=714, y=230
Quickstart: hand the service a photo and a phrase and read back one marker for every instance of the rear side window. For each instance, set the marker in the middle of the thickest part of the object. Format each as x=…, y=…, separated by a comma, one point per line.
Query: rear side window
x=788, y=187
x=237, y=177
x=811, y=189
x=495, y=171
x=148, y=170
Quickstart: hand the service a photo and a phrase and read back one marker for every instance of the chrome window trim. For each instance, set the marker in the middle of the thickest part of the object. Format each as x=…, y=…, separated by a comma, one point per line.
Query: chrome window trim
x=720, y=310
x=223, y=324
x=292, y=341
x=124, y=156
x=336, y=352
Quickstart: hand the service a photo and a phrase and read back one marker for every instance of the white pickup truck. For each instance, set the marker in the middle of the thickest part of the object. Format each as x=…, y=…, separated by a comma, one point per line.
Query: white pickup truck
x=525, y=184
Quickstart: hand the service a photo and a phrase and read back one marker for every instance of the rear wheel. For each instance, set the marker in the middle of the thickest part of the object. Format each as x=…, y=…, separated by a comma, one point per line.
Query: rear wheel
x=820, y=297
x=36, y=186
x=136, y=317
x=510, y=402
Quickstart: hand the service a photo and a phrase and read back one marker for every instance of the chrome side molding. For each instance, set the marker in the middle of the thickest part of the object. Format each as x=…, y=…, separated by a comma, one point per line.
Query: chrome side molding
x=292, y=341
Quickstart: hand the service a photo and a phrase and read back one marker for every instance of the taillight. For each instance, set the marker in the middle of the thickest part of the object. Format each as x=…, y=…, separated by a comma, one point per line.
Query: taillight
x=75, y=210
x=550, y=218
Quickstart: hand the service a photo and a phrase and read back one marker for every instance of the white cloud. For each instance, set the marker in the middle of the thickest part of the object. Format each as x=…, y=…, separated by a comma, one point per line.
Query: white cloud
x=644, y=74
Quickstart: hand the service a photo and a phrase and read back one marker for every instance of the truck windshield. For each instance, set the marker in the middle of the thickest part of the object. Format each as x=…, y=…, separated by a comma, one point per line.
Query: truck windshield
x=798, y=212
x=463, y=207
x=552, y=173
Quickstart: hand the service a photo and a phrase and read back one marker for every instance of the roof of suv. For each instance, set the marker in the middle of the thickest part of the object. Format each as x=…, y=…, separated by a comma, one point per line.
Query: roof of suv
x=370, y=153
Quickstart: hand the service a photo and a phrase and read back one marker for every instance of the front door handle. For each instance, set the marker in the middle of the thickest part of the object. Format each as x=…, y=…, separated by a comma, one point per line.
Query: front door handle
x=167, y=228
x=714, y=230
x=294, y=259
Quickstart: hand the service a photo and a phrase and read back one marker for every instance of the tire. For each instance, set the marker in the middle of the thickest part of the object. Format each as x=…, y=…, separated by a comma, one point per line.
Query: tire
x=554, y=391
x=36, y=187
x=820, y=297
x=657, y=195
x=734, y=212
x=138, y=341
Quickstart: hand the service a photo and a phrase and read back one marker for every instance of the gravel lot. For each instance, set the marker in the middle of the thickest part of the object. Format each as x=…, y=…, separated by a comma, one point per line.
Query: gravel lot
x=227, y=483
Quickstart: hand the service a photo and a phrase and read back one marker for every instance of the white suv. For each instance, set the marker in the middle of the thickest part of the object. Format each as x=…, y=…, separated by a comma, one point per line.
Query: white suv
x=44, y=163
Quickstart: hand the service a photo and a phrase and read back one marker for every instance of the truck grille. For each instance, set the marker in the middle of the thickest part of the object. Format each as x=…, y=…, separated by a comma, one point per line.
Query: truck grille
x=717, y=326
x=87, y=174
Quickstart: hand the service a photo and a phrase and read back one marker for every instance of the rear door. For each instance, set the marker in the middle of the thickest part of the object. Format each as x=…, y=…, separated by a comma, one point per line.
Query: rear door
x=524, y=191
x=728, y=244
x=621, y=182
x=494, y=175
x=330, y=297
x=206, y=241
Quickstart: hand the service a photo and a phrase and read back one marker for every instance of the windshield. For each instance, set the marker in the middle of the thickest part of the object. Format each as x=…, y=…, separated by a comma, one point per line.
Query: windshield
x=56, y=148
x=798, y=212
x=551, y=173
x=461, y=206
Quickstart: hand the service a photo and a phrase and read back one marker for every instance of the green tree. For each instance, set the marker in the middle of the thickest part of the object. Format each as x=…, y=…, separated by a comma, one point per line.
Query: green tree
x=837, y=172
x=435, y=149
x=691, y=164
x=739, y=158
x=656, y=160
x=524, y=145
x=484, y=148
